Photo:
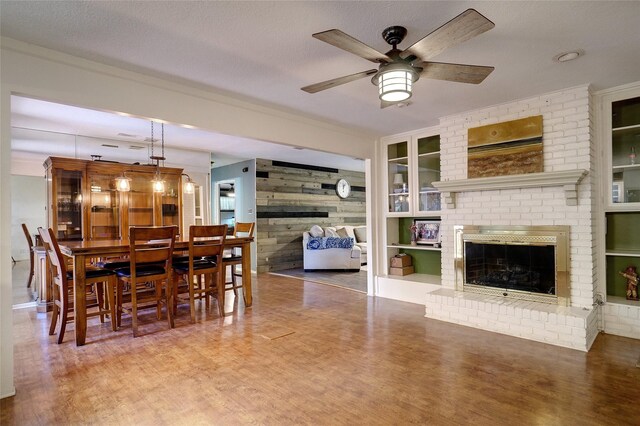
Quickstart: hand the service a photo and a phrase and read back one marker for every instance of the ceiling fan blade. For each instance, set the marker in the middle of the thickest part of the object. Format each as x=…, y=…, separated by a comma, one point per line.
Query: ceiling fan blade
x=314, y=88
x=463, y=27
x=345, y=42
x=459, y=73
x=384, y=104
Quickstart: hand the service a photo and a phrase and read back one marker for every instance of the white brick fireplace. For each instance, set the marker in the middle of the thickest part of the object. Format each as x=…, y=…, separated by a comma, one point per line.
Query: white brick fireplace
x=567, y=131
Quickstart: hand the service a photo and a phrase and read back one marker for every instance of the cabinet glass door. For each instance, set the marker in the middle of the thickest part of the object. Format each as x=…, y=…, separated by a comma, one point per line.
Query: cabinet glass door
x=398, y=176
x=69, y=205
x=428, y=172
x=140, y=200
x=170, y=199
x=625, y=151
x=104, y=208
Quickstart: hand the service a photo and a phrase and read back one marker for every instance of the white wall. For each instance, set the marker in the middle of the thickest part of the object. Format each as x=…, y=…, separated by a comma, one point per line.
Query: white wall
x=245, y=195
x=28, y=200
x=45, y=74
x=6, y=316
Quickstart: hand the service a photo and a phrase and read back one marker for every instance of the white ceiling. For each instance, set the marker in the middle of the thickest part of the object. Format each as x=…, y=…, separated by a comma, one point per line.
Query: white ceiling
x=264, y=50
x=57, y=128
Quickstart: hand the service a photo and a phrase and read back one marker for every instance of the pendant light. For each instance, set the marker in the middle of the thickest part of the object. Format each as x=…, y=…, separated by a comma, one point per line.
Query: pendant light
x=123, y=183
x=189, y=185
x=157, y=181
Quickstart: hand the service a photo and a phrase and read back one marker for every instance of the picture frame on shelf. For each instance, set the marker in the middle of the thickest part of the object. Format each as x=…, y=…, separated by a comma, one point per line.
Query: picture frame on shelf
x=427, y=232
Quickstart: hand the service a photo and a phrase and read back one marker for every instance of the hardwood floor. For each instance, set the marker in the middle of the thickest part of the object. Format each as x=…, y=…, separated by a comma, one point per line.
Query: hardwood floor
x=20, y=293
x=352, y=280
x=313, y=354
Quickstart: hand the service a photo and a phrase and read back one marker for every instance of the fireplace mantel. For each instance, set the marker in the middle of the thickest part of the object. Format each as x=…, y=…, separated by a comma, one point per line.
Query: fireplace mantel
x=568, y=179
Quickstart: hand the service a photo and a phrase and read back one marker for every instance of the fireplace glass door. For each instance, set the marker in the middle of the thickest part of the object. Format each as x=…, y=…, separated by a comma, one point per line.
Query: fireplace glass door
x=526, y=268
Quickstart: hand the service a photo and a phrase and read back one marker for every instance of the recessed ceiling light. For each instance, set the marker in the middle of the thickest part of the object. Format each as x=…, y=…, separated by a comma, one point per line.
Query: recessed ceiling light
x=127, y=135
x=568, y=56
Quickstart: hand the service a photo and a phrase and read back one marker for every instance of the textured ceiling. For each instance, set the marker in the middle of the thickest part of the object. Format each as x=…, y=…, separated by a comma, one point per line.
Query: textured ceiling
x=41, y=129
x=264, y=50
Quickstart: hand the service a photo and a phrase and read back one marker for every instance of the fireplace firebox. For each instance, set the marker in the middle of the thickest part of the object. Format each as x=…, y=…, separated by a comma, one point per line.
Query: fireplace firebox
x=529, y=263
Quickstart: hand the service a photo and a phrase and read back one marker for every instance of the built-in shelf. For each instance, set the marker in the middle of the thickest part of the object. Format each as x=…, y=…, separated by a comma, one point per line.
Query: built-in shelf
x=399, y=194
x=618, y=300
x=417, y=247
x=626, y=167
x=626, y=253
x=568, y=179
x=417, y=278
x=397, y=159
x=626, y=129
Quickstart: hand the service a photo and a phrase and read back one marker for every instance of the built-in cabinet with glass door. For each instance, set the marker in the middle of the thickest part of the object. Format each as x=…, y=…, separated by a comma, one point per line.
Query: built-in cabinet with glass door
x=83, y=203
x=65, y=191
x=412, y=164
x=621, y=116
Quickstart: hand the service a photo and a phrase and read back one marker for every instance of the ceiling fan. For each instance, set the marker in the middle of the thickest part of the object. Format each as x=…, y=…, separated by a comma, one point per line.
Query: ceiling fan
x=399, y=69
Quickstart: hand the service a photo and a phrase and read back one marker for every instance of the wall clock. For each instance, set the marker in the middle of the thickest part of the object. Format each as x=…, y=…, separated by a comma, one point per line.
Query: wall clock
x=343, y=188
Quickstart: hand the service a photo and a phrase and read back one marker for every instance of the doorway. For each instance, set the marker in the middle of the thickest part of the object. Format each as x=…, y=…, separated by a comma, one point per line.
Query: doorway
x=225, y=204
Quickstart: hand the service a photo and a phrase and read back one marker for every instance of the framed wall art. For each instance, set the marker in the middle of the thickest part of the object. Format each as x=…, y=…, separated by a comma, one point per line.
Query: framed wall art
x=427, y=231
x=509, y=148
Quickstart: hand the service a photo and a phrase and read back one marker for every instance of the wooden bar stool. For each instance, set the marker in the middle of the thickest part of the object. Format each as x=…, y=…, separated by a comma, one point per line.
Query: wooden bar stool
x=234, y=258
x=63, y=287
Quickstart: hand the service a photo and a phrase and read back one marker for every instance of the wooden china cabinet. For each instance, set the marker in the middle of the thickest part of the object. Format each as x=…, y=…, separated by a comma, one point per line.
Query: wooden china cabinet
x=83, y=203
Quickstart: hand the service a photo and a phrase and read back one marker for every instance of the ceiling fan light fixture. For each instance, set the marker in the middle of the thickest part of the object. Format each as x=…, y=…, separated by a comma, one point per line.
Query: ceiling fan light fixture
x=395, y=86
x=395, y=81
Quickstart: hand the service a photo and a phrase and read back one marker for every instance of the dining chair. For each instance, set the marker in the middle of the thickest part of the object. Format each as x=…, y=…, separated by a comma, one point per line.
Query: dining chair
x=27, y=234
x=96, y=280
x=234, y=257
x=203, y=269
x=150, y=251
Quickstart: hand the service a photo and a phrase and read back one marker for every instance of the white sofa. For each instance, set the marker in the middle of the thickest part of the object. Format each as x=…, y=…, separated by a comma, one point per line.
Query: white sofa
x=342, y=259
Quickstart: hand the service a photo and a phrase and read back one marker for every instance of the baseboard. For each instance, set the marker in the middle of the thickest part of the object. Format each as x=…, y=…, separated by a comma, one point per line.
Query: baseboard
x=25, y=305
x=8, y=394
x=332, y=270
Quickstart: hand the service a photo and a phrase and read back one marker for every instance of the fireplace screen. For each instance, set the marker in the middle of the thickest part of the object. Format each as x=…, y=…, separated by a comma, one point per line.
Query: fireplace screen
x=522, y=262
x=527, y=268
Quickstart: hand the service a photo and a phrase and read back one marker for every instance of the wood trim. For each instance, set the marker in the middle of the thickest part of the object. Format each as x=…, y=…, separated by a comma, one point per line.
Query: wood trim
x=568, y=179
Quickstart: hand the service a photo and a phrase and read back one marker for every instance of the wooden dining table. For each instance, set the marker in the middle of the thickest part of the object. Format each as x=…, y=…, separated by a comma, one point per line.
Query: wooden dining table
x=83, y=251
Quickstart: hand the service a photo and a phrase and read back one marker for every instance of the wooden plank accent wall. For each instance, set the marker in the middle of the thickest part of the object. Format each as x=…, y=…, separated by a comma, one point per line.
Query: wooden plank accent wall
x=290, y=198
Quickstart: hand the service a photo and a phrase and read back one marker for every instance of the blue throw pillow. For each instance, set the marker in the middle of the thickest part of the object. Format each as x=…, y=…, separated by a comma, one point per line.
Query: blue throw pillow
x=323, y=243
